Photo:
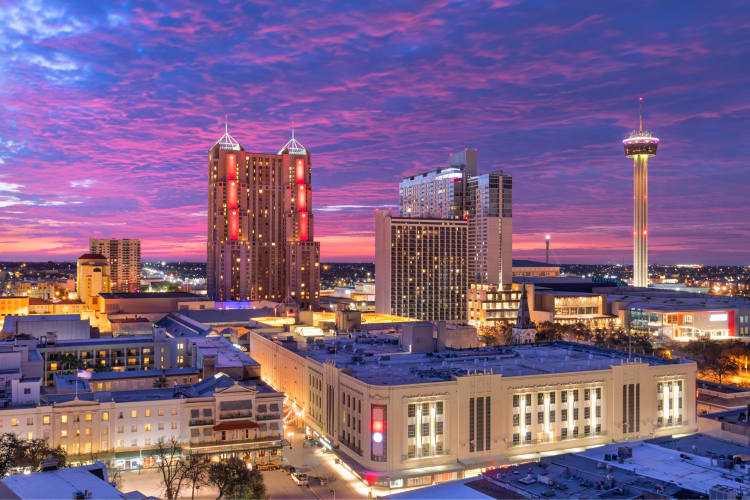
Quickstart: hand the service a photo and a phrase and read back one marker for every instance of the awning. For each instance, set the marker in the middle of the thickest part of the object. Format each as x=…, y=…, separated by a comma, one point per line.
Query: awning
x=239, y=424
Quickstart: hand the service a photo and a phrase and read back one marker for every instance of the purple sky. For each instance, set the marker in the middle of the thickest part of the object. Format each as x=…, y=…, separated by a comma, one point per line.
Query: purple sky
x=106, y=115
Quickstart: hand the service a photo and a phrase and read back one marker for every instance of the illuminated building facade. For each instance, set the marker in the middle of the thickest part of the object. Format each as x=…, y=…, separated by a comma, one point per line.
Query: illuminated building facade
x=260, y=225
x=420, y=267
x=639, y=146
x=124, y=256
x=92, y=279
x=485, y=201
x=403, y=419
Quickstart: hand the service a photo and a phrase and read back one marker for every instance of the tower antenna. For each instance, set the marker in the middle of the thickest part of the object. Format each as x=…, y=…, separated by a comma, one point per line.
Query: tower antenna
x=226, y=125
x=292, y=129
x=640, y=114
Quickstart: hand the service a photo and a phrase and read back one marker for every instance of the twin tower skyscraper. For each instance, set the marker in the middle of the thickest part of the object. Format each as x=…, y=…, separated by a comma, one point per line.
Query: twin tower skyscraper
x=260, y=225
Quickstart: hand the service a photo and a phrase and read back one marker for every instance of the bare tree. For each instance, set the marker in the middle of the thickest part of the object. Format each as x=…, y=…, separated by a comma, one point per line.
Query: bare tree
x=169, y=462
x=195, y=472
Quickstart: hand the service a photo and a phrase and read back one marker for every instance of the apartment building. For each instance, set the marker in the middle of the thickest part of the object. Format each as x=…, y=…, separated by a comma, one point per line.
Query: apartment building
x=124, y=257
x=405, y=419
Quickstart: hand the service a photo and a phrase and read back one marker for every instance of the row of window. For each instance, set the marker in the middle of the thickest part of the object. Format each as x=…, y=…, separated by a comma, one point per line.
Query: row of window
x=564, y=395
x=563, y=434
x=552, y=415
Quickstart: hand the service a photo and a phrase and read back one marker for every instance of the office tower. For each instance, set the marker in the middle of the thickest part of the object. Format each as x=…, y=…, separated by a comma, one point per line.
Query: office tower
x=640, y=145
x=490, y=217
x=124, y=257
x=420, y=267
x=92, y=278
x=260, y=225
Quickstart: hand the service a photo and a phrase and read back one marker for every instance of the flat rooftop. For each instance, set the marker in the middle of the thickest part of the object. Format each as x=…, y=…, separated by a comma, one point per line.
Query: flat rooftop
x=379, y=360
x=152, y=295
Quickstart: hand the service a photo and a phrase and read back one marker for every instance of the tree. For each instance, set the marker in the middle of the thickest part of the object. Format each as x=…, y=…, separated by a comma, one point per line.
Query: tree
x=195, y=472
x=547, y=331
x=235, y=480
x=496, y=335
x=170, y=466
x=15, y=452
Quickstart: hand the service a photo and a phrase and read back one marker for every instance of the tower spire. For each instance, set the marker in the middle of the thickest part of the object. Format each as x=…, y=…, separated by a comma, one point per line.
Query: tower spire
x=226, y=125
x=640, y=114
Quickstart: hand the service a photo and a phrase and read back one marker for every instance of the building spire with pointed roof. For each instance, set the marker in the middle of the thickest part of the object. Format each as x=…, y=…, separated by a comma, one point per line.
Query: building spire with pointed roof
x=524, y=317
x=293, y=146
x=226, y=141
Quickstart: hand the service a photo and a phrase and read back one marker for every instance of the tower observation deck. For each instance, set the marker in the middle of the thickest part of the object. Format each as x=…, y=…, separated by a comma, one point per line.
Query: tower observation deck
x=640, y=145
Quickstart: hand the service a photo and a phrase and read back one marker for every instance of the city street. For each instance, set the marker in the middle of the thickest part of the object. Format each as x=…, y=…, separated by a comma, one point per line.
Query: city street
x=340, y=484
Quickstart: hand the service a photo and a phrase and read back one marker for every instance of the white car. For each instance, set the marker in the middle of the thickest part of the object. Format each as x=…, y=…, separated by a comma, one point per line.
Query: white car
x=300, y=479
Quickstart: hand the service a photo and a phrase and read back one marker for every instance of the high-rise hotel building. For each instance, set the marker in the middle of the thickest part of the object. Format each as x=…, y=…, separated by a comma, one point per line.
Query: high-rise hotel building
x=420, y=267
x=260, y=225
x=124, y=256
x=457, y=192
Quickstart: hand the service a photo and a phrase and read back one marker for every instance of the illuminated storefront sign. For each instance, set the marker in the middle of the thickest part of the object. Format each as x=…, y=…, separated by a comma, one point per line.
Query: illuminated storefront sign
x=378, y=434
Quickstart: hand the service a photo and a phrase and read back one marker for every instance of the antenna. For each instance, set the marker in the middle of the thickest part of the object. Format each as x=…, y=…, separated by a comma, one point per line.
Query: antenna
x=292, y=129
x=226, y=125
x=640, y=114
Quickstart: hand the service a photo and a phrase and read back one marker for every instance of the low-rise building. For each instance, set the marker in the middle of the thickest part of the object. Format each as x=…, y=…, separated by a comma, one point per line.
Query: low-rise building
x=531, y=268
x=397, y=417
x=84, y=482
x=696, y=466
x=217, y=416
x=681, y=316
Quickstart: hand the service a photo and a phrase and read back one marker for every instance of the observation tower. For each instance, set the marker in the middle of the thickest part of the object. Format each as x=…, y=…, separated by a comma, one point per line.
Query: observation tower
x=640, y=145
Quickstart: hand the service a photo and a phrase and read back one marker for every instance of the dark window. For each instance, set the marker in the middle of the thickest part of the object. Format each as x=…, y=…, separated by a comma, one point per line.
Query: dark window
x=552, y=416
x=515, y=438
x=439, y=408
x=575, y=413
x=528, y=419
x=540, y=417
x=564, y=433
x=528, y=400
x=515, y=400
x=564, y=396
x=411, y=431
x=515, y=419
x=575, y=396
x=426, y=429
x=540, y=398
x=412, y=411
x=564, y=415
x=586, y=395
x=439, y=428
x=551, y=398
x=587, y=412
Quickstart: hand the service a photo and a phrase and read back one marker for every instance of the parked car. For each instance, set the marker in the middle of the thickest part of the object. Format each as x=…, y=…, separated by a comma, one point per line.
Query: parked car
x=300, y=479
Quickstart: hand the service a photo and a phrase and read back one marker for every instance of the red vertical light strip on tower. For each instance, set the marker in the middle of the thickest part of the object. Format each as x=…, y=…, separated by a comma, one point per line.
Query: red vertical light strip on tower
x=300, y=174
x=234, y=216
x=234, y=225
x=303, y=226
x=301, y=198
x=232, y=194
x=231, y=167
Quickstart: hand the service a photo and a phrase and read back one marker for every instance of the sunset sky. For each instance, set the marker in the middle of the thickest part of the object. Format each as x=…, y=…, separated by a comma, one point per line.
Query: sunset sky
x=107, y=113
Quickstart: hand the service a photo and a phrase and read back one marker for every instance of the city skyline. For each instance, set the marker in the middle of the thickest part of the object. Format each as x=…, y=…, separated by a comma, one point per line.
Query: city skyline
x=107, y=138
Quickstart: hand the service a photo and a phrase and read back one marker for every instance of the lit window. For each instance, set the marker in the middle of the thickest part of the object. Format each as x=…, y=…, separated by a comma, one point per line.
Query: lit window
x=63, y=419
x=105, y=416
x=14, y=422
x=147, y=427
x=133, y=413
x=64, y=433
x=45, y=420
x=88, y=417
x=161, y=412
x=29, y=436
x=148, y=413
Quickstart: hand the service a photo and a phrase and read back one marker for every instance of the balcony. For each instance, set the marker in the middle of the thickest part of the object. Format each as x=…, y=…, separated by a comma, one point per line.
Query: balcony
x=270, y=416
x=235, y=414
x=201, y=421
